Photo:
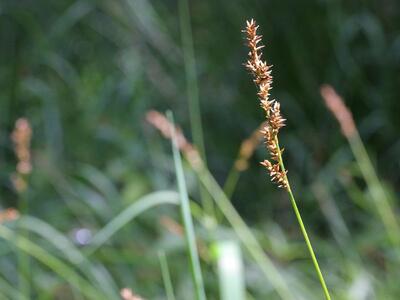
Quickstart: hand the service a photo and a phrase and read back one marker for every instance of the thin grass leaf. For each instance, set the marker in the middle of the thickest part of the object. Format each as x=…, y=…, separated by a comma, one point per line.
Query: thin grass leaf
x=192, y=91
x=166, y=276
x=128, y=214
x=98, y=277
x=55, y=264
x=10, y=291
x=186, y=217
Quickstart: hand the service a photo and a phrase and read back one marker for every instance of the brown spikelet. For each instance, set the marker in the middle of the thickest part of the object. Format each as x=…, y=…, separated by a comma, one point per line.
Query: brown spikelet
x=21, y=137
x=261, y=72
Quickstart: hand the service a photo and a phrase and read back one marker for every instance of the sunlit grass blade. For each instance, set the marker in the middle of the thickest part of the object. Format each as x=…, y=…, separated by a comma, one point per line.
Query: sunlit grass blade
x=230, y=270
x=169, y=290
x=52, y=262
x=128, y=214
x=186, y=217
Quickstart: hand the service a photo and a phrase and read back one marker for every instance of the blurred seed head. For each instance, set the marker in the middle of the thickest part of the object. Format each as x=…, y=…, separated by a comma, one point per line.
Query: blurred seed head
x=10, y=214
x=339, y=109
x=21, y=137
x=248, y=147
x=127, y=294
x=161, y=123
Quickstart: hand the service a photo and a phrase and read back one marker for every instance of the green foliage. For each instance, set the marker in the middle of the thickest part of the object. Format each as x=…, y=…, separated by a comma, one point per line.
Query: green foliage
x=85, y=73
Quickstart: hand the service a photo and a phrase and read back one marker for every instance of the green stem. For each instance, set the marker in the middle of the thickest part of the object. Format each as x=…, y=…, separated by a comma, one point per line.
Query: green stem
x=231, y=182
x=302, y=227
x=378, y=195
x=24, y=272
x=166, y=276
x=187, y=217
x=244, y=233
x=193, y=94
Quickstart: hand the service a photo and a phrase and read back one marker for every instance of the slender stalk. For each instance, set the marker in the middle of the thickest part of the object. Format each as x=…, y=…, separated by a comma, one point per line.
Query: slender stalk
x=302, y=227
x=24, y=264
x=193, y=94
x=186, y=217
x=376, y=190
x=342, y=113
x=231, y=181
x=244, y=232
x=166, y=276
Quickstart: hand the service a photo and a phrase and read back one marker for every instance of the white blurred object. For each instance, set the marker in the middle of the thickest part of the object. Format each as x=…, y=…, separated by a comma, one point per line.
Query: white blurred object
x=230, y=271
x=82, y=236
x=361, y=288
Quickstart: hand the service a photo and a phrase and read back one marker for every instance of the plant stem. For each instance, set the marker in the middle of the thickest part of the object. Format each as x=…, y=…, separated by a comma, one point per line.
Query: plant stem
x=302, y=227
x=378, y=195
x=24, y=272
x=244, y=233
x=193, y=94
x=166, y=276
x=187, y=217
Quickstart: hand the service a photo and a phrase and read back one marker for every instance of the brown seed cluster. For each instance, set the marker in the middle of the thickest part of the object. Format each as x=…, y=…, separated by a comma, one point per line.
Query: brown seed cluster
x=261, y=72
x=21, y=137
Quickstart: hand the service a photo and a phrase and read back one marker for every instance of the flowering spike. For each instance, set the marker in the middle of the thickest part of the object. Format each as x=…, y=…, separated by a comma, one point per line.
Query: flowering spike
x=262, y=77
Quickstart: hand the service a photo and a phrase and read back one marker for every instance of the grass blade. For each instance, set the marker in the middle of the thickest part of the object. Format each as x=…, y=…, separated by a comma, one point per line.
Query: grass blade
x=129, y=213
x=55, y=264
x=166, y=276
x=186, y=217
x=193, y=93
x=100, y=279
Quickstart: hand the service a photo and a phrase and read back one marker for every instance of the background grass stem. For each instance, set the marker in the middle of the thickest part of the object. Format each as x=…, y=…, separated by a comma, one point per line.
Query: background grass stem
x=190, y=236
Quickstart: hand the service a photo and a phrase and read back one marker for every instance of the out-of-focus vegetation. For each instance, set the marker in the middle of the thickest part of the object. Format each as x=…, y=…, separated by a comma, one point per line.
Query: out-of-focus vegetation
x=100, y=212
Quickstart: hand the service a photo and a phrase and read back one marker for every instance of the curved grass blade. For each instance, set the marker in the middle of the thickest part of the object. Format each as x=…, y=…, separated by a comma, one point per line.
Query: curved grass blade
x=129, y=213
x=100, y=278
x=10, y=291
x=55, y=264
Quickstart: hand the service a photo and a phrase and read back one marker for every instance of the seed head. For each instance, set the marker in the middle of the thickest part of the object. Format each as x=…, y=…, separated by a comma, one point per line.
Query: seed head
x=21, y=137
x=262, y=77
x=339, y=109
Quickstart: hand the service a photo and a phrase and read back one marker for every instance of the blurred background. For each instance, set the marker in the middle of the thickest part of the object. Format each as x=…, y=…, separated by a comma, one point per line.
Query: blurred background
x=85, y=73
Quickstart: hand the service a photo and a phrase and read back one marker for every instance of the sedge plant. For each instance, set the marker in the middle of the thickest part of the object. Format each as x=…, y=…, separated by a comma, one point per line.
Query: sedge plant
x=262, y=77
